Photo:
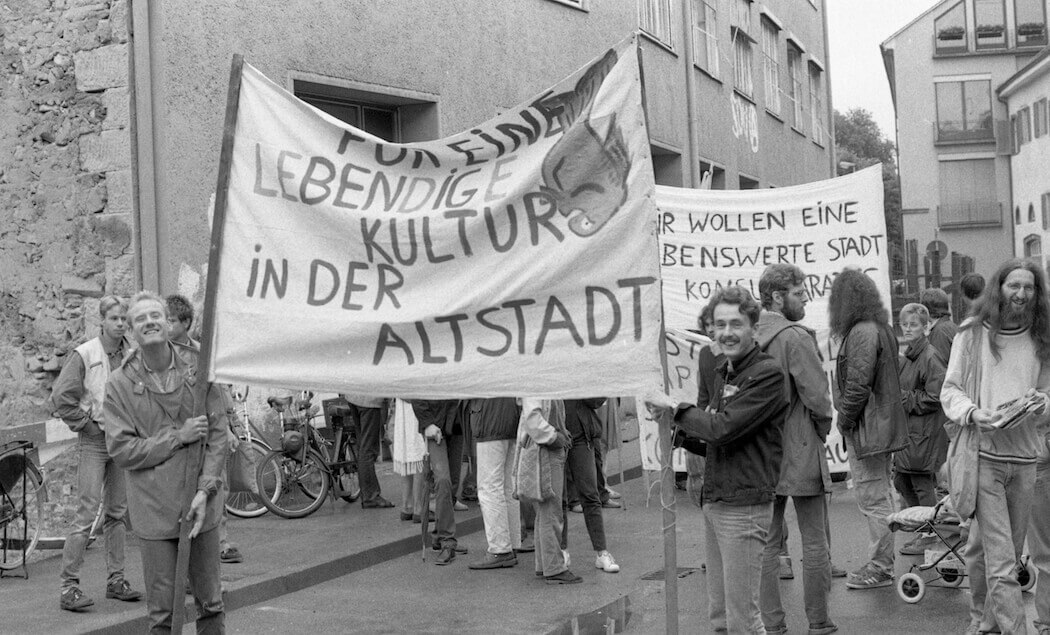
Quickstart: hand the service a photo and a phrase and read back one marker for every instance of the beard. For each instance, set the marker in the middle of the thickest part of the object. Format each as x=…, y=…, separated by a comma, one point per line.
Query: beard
x=794, y=313
x=1022, y=316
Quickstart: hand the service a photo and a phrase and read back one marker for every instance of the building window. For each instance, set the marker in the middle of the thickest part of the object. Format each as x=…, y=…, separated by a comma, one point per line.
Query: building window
x=950, y=28
x=705, y=36
x=795, y=89
x=667, y=166
x=1030, y=20
x=1033, y=247
x=743, y=59
x=771, y=65
x=747, y=183
x=742, y=15
x=1039, y=122
x=379, y=120
x=1031, y=213
x=964, y=111
x=718, y=175
x=1017, y=214
x=1045, y=200
x=990, y=18
x=654, y=17
x=816, y=102
x=968, y=194
x=1022, y=128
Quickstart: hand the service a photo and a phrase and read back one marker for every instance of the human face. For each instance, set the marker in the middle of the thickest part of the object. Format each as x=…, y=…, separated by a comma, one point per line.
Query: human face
x=149, y=322
x=1018, y=297
x=709, y=329
x=912, y=327
x=177, y=329
x=793, y=302
x=114, y=323
x=733, y=331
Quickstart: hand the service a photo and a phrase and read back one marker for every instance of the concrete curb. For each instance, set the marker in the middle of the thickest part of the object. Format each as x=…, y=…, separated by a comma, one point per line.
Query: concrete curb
x=292, y=579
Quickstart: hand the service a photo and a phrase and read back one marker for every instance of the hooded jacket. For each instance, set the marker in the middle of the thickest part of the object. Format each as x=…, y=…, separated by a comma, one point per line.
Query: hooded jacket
x=804, y=468
x=922, y=373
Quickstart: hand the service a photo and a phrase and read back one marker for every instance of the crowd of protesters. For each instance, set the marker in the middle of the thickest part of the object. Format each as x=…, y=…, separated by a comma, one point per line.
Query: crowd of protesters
x=755, y=434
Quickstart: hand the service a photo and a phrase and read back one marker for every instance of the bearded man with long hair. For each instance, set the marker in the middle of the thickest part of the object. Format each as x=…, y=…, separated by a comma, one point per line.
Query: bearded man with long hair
x=1001, y=354
x=871, y=416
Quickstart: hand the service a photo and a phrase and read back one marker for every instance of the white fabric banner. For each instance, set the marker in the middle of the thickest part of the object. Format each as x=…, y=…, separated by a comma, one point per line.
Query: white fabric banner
x=516, y=258
x=713, y=238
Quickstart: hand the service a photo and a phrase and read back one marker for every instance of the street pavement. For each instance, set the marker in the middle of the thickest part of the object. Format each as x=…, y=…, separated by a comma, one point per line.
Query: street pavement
x=349, y=570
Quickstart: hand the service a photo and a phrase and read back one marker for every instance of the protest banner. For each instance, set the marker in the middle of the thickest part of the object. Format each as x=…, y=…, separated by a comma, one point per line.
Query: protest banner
x=710, y=239
x=518, y=257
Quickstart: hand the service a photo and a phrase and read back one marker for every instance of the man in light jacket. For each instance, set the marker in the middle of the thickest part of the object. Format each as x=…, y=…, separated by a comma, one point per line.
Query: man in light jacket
x=804, y=474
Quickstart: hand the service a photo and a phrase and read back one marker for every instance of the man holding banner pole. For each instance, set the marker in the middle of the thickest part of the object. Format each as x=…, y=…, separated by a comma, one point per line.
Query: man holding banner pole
x=804, y=474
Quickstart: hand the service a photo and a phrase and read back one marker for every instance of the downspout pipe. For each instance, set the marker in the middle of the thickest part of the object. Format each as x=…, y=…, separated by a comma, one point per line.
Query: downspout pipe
x=142, y=147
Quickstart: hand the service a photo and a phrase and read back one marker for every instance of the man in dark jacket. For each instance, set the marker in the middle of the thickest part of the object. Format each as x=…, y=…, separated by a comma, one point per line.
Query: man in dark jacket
x=741, y=423
x=804, y=472
x=440, y=423
x=871, y=416
x=942, y=329
x=494, y=425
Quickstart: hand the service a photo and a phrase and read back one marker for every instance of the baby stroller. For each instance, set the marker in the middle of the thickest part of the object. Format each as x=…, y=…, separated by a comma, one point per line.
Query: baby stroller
x=948, y=565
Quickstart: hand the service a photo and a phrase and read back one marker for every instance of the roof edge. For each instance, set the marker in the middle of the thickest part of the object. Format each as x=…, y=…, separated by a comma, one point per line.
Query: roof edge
x=916, y=19
x=1025, y=74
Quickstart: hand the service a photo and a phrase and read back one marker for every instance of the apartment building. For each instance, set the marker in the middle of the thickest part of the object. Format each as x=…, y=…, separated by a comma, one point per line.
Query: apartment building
x=1025, y=95
x=954, y=136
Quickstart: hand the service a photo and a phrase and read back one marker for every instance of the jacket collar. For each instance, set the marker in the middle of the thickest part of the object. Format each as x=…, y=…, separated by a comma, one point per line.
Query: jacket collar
x=135, y=368
x=771, y=323
x=741, y=365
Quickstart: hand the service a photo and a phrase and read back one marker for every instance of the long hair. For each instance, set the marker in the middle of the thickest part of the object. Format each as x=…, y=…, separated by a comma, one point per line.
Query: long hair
x=854, y=298
x=985, y=309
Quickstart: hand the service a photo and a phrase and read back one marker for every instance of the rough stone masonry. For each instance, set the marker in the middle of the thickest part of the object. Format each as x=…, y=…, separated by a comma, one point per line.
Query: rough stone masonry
x=67, y=227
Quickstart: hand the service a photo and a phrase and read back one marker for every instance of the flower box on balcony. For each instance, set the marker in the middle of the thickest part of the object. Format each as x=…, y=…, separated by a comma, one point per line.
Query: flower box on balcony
x=1031, y=29
x=951, y=33
x=986, y=30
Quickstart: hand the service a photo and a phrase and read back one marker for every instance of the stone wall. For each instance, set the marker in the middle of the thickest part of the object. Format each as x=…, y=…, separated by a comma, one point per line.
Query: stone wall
x=66, y=215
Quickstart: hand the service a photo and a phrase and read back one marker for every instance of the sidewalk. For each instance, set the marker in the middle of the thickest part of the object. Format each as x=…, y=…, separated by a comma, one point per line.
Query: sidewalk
x=281, y=557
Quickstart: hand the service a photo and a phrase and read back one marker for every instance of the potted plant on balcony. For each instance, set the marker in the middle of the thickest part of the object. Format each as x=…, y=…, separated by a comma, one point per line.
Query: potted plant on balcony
x=989, y=30
x=1031, y=29
x=951, y=33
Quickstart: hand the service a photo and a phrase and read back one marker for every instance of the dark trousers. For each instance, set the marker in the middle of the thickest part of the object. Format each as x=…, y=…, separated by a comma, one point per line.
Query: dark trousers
x=445, y=460
x=370, y=429
x=579, y=465
x=916, y=489
x=158, y=573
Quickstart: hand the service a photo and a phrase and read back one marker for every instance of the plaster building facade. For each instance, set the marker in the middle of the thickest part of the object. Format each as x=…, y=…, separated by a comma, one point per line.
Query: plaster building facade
x=1025, y=95
x=111, y=116
x=954, y=138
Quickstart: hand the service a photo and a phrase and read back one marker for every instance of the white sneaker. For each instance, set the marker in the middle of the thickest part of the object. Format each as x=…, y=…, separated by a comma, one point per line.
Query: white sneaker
x=605, y=562
x=568, y=559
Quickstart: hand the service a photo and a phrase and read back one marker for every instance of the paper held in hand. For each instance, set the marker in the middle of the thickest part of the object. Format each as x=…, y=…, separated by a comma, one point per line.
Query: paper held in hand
x=1015, y=411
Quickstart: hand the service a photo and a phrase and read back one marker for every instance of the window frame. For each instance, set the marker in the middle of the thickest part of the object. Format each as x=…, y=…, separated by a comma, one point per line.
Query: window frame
x=771, y=64
x=816, y=102
x=963, y=37
x=653, y=9
x=990, y=31
x=706, y=39
x=965, y=135
x=1037, y=40
x=795, y=83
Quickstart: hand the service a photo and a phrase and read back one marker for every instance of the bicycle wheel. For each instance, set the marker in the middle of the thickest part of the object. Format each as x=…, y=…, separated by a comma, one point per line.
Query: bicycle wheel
x=292, y=488
x=242, y=502
x=349, y=483
x=21, y=517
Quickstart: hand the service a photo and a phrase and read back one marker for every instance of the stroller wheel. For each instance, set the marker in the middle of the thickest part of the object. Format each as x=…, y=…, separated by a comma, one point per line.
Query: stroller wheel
x=911, y=587
x=950, y=577
x=1024, y=576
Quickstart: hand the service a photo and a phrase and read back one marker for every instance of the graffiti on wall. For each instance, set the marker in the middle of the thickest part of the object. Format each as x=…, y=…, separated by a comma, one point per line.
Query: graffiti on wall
x=745, y=120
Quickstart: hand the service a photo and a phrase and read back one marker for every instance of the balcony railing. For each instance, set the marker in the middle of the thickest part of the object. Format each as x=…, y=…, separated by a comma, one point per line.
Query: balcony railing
x=978, y=214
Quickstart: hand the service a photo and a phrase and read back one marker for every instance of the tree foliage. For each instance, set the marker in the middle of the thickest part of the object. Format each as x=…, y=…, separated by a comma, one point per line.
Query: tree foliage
x=860, y=143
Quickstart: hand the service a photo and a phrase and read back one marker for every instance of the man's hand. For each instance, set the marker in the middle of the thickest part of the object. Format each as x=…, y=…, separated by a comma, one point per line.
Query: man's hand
x=661, y=407
x=196, y=515
x=193, y=429
x=561, y=441
x=985, y=419
x=433, y=433
x=1032, y=392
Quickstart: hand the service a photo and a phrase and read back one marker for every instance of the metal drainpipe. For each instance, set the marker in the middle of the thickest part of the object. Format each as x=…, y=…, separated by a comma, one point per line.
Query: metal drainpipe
x=144, y=184
x=827, y=85
x=690, y=80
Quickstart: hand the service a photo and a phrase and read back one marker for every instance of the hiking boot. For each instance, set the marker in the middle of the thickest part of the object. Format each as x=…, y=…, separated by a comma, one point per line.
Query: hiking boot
x=446, y=555
x=121, y=590
x=73, y=599
x=605, y=562
x=565, y=577
x=869, y=577
x=494, y=561
x=230, y=555
x=784, y=571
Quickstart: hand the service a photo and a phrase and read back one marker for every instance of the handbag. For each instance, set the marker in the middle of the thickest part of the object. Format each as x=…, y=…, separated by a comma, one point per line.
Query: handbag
x=963, y=460
x=532, y=473
x=240, y=469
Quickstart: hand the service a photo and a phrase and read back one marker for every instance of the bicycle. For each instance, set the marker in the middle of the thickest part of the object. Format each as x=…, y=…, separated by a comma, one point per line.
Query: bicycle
x=241, y=500
x=294, y=480
x=23, y=496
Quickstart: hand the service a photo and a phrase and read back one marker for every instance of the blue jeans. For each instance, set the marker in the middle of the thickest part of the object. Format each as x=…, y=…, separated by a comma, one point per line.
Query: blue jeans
x=158, y=567
x=735, y=537
x=1039, y=544
x=1004, y=505
x=816, y=564
x=871, y=479
x=96, y=474
x=548, y=557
